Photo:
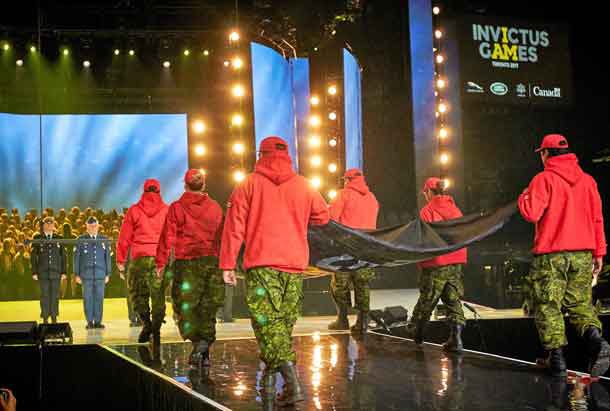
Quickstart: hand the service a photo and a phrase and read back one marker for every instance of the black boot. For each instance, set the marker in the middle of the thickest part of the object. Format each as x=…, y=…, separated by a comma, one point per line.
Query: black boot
x=146, y=328
x=292, y=392
x=598, y=351
x=415, y=331
x=200, y=356
x=556, y=363
x=362, y=323
x=341, y=323
x=454, y=343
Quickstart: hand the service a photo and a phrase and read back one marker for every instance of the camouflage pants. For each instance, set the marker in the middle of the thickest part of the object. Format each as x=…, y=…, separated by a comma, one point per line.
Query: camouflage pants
x=143, y=285
x=274, y=300
x=445, y=283
x=340, y=288
x=198, y=291
x=561, y=282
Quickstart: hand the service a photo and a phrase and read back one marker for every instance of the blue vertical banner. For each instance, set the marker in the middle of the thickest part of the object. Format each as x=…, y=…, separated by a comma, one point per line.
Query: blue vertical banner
x=274, y=111
x=352, y=83
x=301, y=93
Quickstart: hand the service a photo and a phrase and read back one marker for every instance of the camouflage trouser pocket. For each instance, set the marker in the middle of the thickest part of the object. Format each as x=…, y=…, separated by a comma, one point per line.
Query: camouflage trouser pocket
x=547, y=278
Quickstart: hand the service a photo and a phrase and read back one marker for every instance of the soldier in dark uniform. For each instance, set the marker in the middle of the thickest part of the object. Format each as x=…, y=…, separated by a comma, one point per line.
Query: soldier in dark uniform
x=92, y=266
x=48, y=268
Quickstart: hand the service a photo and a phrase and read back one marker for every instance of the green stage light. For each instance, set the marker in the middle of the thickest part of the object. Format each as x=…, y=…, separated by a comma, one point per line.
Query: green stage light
x=66, y=52
x=187, y=52
x=117, y=52
x=132, y=52
x=6, y=47
x=33, y=49
x=206, y=52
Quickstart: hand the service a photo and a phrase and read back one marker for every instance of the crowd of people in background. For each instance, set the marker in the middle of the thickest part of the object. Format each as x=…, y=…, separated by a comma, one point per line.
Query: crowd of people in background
x=16, y=232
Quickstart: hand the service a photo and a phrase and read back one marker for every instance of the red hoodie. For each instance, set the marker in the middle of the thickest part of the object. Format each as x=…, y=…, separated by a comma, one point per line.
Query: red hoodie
x=441, y=208
x=192, y=228
x=141, y=228
x=565, y=205
x=270, y=211
x=355, y=206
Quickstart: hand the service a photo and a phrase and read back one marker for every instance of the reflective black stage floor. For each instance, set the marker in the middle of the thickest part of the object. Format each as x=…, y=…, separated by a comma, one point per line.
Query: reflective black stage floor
x=341, y=372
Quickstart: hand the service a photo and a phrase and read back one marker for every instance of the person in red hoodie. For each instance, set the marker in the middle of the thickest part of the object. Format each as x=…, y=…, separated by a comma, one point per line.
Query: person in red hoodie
x=441, y=277
x=270, y=212
x=569, y=246
x=137, y=243
x=192, y=230
x=355, y=207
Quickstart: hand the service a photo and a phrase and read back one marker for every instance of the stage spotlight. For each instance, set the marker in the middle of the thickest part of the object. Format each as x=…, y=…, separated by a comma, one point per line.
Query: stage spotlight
x=19, y=63
x=117, y=52
x=315, y=121
x=314, y=100
x=443, y=133
x=132, y=52
x=239, y=148
x=6, y=47
x=234, y=36
x=442, y=107
x=332, y=90
x=316, y=182
x=86, y=64
x=237, y=63
x=440, y=58
x=444, y=158
x=65, y=52
x=238, y=90
x=198, y=126
x=186, y=52
x=203, y=171
x=332, y=116
x=206, y=52
x=316, y=160
x=332, y=167
x=436, y=114
x=226, y=63
x=438, y=34
x=436, y=10
x=332, y=142
x=447, y=183
x=239, y=176
x=332, y=194
x=167, y=64
x=440, y=83
x=435, y=93
x=237, y=120
x=200, y=150
x=33, y=49
x=315, y=141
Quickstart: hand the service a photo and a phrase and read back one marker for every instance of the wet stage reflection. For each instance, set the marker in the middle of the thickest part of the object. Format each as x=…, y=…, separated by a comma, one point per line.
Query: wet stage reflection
x=340, y=372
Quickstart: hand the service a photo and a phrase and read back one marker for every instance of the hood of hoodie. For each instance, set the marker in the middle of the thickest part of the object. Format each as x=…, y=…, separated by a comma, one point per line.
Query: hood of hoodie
x=277, y=167
x=151, y=203
x=565, y=166
x=444, y=206
x=195, y=204
x=359, y=185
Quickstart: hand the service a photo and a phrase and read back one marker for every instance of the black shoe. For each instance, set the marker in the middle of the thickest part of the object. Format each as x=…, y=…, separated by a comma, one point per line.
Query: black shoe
x=454, y=343
x=292, y=392
x=146, y=332
x=200, y=356
x=598, y=351
x=415, y=331
x=556, y=363
x=341, y=323
x=362, y=323
x=99, y=325
x=89, y=326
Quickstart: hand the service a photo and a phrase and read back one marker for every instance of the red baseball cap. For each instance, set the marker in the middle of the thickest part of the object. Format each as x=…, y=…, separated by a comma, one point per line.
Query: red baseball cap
x=151, y=182
x=432, y=183
x=192, y=174
x=273, y=144
x=553, y=141
x=352, y=173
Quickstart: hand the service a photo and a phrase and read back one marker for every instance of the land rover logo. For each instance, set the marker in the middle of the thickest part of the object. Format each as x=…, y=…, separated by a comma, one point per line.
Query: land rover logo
x=499, y=89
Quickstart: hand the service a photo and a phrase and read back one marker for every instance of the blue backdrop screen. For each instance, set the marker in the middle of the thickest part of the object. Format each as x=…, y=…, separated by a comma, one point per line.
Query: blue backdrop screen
x=96, y=161
x=353, y=111
x=273, y=97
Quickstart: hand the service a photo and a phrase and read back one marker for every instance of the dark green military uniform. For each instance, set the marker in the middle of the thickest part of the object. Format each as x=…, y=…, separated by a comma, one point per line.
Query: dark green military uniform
x=340, y=288
x=198, y=291
x=143, y=285
x=445, y=283
x=274, y=300
x=561, y=282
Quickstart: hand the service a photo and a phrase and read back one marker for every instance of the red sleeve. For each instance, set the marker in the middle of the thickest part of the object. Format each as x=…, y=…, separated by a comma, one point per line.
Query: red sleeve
x=425, y=214
x=234, y=230
x=598, y=220
x=125, y=238
x=336, y=206
x=535, y=199
x=166, y=240
x=319, y=210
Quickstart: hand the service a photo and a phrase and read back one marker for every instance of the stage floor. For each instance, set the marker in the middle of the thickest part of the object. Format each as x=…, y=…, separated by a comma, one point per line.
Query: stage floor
x=341, y=372
x=117, y=329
